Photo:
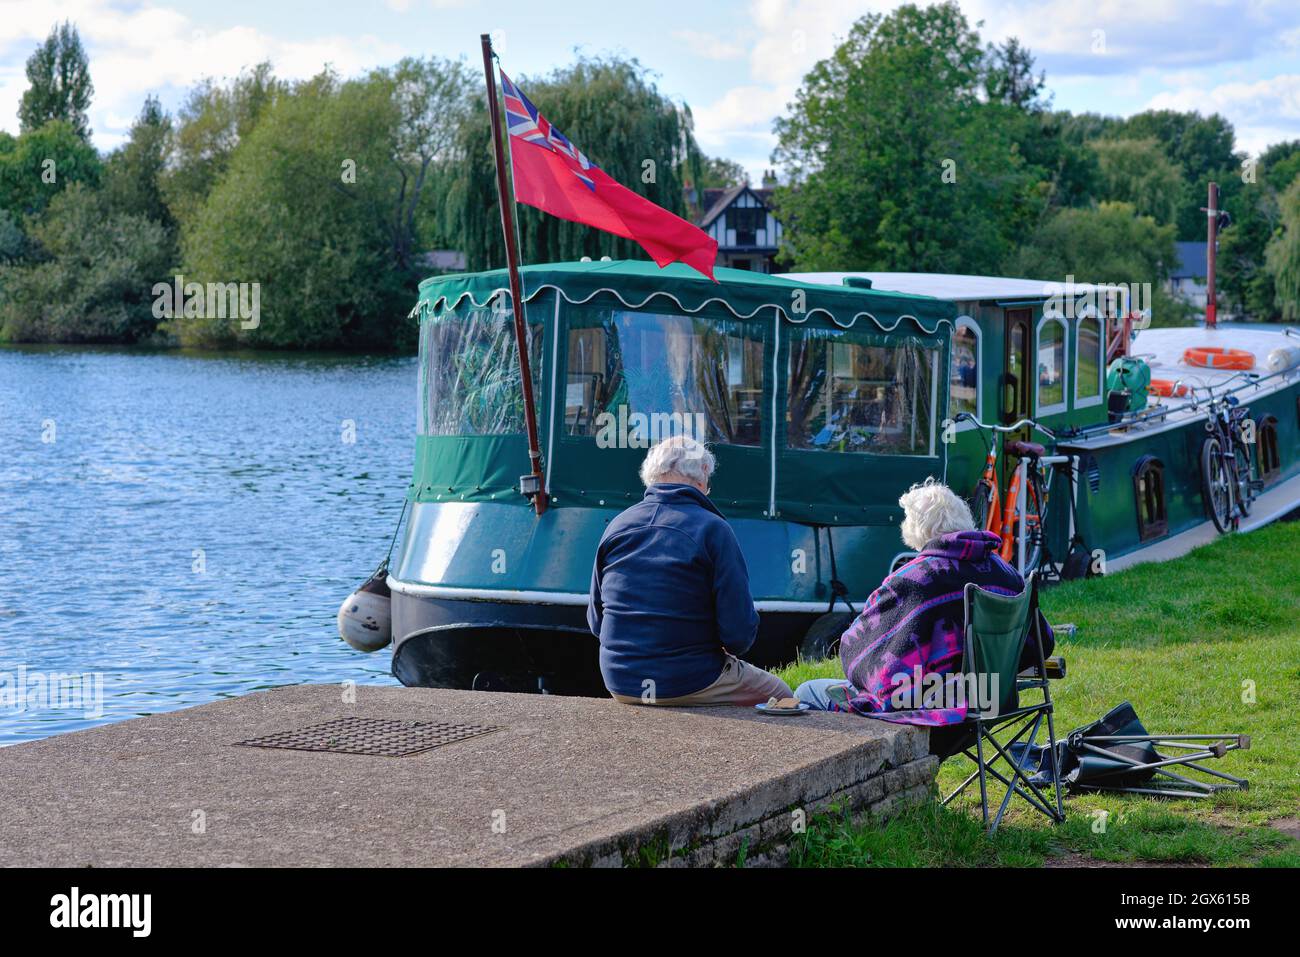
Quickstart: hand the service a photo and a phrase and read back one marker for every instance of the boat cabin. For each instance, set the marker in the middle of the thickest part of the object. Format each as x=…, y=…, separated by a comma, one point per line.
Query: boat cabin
x=821, y=403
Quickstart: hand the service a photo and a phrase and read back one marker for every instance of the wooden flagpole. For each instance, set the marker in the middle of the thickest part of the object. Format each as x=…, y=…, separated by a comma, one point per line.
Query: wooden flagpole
x=532, y=485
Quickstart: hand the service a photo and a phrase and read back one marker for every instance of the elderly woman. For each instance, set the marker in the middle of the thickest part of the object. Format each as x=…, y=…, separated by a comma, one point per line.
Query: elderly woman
x=670, y=599
x=913, y=624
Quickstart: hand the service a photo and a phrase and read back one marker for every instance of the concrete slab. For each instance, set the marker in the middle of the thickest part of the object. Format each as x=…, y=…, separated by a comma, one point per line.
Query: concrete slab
x=575, y=781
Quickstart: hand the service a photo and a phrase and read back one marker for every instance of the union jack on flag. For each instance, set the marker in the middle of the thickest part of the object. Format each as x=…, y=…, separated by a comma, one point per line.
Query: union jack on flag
x=551, y=174
x=524, y=121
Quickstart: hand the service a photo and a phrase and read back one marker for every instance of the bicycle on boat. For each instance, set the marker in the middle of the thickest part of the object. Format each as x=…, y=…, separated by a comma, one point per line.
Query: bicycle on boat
x=1022, y=527
x=1226, y=467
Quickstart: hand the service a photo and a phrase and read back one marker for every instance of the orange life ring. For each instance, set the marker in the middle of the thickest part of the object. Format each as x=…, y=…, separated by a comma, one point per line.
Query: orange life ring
x=1165, y=387
x=1212, y=357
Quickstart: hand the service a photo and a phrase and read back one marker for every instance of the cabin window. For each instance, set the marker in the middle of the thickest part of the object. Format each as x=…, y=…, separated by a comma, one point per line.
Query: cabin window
x=1149, y=490
x=849, y=396
x=964, y=371
x=469, y=372
x=1050, y=374
x=645, y=376
x=1266, y=451
x=1089, y=366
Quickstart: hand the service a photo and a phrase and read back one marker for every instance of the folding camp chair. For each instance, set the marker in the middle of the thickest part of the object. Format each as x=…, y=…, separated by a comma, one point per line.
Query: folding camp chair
x=1116, y=753
x=997, y=628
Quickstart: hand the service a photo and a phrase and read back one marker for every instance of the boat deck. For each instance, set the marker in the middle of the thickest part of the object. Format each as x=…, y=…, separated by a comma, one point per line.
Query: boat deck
x=579, y=781
x=1162, y=350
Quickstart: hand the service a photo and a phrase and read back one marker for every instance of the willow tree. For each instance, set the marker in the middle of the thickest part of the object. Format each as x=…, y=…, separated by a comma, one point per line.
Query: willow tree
x=610, y=109
x=1283, y=255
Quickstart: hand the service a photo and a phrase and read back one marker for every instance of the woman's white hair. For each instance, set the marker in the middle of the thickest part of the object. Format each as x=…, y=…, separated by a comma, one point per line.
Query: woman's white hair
x=679, y=455
x=932, y=509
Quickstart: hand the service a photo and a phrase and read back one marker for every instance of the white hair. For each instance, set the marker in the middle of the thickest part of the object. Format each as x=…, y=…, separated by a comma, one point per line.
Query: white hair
x=679, y=455
x=932, y=509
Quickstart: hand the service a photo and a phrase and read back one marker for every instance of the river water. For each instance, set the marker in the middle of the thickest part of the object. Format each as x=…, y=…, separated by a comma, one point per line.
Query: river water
x=182, y=527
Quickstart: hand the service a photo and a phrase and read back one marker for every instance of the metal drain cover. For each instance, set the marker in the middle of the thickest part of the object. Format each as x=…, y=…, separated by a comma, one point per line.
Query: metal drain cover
x=382, y=737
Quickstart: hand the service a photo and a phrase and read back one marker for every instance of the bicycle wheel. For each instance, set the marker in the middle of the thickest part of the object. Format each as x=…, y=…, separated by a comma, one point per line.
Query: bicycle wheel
x=1242, y=467
x=1035, y=509
x=1216, y=484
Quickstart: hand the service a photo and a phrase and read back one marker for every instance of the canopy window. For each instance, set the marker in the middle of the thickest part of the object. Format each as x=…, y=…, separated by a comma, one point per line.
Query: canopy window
x=663, y=374
x=860, y=394
x=469, y=372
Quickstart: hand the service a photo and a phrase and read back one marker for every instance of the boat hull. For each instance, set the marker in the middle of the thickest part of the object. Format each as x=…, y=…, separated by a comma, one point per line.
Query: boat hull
x=503, y=645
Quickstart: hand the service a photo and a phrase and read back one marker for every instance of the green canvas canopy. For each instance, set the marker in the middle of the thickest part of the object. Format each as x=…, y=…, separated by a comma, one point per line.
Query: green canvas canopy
x=821, y=403
x=744, y=294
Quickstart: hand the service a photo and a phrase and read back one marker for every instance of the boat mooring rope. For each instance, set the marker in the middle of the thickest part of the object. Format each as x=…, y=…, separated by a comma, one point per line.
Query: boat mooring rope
x=382, y=570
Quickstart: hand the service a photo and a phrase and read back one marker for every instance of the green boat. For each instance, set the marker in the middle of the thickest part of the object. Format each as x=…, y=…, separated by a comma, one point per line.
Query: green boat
x=824, y=396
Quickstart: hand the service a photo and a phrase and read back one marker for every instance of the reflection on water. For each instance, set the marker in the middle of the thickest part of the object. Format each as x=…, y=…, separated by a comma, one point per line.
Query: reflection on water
x=186, y=525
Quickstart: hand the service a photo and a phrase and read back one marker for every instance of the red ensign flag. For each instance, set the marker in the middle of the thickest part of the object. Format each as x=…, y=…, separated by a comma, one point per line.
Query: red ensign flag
x=551, y=174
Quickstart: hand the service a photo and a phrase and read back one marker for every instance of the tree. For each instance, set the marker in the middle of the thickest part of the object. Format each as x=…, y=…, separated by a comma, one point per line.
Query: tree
x=434, y=100
x=1009, y=76
x=1139, y=173
x=610, y=109
x=1283, y=255
x=305, y=210
x=1109, y=244
x=40, y=163
x=1203, y=147
x=895, y=158
x=60, y=89
x=1280, y=164
x=133, y=174
x=214, y=119
x=89, y=277
x=719, y=173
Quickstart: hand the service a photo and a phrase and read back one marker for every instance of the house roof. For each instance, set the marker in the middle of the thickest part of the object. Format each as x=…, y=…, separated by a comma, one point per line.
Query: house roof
x=715, y=201
x=1191, y=261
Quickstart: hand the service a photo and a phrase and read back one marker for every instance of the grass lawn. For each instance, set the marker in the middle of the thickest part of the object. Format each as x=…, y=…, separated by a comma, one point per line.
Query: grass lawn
x=1207, y=643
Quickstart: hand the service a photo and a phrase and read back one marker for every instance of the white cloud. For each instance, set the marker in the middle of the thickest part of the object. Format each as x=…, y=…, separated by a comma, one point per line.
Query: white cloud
x=136, y=50
x=1110, y=50
x=1263, y=112
x=710, y=46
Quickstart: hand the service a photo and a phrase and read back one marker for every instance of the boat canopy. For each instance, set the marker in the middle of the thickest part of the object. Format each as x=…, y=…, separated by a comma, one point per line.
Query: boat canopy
x=821, y=403
x=746, y=295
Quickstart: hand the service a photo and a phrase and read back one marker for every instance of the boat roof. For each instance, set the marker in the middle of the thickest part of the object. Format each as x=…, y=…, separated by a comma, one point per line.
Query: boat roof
x=637, y=283
x=952, y=286
x=1162, y=350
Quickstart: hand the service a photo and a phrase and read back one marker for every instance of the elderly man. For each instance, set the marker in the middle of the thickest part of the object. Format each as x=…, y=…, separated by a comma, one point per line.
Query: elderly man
x=916, y=620
x=670, y=599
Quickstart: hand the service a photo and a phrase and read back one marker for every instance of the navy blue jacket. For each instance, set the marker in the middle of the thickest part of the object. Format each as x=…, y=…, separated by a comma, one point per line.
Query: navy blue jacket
x=669, y=592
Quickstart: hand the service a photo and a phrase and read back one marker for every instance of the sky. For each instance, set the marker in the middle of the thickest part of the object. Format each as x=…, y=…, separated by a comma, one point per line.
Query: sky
x=737, y=63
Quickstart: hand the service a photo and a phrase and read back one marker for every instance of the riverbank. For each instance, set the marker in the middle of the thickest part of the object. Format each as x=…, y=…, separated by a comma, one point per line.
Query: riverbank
x=1207, y=643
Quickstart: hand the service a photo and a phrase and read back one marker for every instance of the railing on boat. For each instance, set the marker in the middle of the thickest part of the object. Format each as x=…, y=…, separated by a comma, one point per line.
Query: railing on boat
x=1210, y=393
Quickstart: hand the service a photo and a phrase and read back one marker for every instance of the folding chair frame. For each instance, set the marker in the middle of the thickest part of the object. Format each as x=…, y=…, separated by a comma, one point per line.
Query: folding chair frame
x=1030, y=718
x=1203, y=745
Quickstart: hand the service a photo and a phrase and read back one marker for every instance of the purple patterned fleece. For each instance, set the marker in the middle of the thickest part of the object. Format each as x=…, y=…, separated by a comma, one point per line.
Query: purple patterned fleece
x=913, y=625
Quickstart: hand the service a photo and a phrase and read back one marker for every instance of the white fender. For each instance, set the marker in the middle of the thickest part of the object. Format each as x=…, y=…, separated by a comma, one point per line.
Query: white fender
x=365, y=617
x=1283, y=358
